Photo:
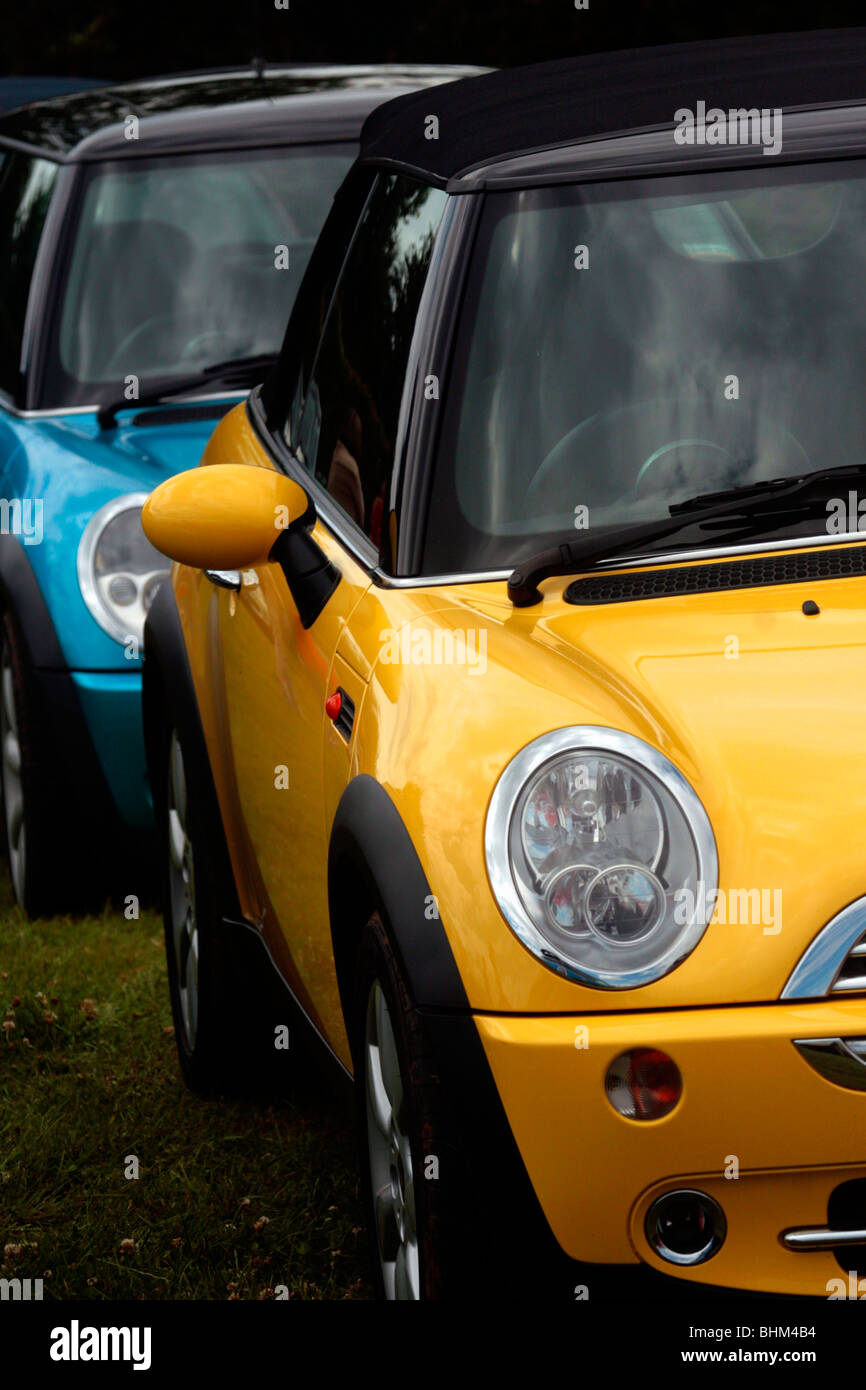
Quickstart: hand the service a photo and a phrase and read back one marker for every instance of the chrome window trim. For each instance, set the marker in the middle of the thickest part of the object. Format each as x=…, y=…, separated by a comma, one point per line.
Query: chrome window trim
x=359, y=546
x=503, y=802
x=45, y=413
x=366, y=555
x=626, y=562
x=714, y=552
x=331, y=514
x=818, y=968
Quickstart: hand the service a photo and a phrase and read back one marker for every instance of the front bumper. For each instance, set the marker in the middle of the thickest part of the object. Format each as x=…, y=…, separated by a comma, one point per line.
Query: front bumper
x=111, y=705
x=93, y=719
x=751, y=1105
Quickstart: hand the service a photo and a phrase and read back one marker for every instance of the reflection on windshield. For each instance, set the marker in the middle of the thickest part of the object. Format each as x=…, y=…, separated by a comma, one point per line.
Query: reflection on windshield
x=178, y=264
x=621, y=352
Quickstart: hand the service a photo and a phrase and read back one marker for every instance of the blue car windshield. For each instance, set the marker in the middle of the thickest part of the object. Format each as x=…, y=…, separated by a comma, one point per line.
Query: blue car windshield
x=626, y=346
x=179, y=263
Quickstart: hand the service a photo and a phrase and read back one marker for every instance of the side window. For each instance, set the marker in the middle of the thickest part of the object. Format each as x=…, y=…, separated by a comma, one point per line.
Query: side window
x=348, y=427
x=285, y=393
x=26, y=186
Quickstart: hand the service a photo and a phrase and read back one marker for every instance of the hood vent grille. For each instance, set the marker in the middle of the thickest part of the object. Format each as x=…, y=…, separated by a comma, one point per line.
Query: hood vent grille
x=835, y=961
x=175, y=415
x=852, y=974
x=791, y=567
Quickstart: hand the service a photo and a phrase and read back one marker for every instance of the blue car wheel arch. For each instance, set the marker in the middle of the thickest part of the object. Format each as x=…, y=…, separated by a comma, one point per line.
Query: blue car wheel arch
x=57, y=473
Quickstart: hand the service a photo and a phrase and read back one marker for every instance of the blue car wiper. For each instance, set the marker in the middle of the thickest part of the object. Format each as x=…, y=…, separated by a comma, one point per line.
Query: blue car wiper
x=233, y=373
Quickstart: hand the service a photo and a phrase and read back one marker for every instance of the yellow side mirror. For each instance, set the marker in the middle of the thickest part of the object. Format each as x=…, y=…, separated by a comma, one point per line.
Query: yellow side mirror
x=224, y=516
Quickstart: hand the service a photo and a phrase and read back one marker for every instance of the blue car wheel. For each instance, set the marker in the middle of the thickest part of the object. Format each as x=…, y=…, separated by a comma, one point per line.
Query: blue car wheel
x=32, y=816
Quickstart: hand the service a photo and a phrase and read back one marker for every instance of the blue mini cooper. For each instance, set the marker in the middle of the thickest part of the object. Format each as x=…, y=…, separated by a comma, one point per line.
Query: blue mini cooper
x=152, y=237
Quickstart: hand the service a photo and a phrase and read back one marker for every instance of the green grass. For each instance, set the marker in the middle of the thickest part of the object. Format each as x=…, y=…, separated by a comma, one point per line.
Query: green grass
x=233, y=1199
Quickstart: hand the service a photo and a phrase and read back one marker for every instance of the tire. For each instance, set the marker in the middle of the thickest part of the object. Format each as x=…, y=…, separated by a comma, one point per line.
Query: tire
x=412, y=1204
x=199, y=975
x=44, y=879
x=225, y=999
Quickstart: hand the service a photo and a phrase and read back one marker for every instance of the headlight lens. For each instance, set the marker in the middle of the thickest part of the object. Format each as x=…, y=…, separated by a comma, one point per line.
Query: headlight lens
x=592, y=835
x=119, y=571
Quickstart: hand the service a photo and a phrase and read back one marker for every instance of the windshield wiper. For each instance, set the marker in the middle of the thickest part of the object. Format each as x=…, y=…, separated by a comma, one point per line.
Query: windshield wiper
x=245, y=370
x=751, y=504
x=234, y=372
x=770, y=489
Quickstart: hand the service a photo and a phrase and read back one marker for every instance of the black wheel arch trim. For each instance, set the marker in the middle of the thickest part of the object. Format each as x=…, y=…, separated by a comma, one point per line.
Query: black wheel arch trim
x=24, y=598
x=168, y=695
x=59, y=708
x=369, y=836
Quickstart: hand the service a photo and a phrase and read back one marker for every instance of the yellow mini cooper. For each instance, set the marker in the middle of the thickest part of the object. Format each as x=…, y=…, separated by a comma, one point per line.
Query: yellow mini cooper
x=508, y=700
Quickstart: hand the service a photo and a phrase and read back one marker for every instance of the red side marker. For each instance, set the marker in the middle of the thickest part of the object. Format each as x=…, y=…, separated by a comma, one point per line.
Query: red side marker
x=333, y=705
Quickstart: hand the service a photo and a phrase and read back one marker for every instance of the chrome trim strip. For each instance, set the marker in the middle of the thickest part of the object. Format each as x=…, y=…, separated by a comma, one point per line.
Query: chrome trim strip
x=793, y=543
x=390, y=581
x=820, y=1238
x=327, y=510
x=503, y=802
x=628, y=562
x=44, y=414
x=331, y=517
x=224, y=579
x=852, y=984
x=836, y=1059
x=818, y=968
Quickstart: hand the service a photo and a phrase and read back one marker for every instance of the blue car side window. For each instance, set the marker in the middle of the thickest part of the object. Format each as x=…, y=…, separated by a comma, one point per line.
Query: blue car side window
x=26, y=186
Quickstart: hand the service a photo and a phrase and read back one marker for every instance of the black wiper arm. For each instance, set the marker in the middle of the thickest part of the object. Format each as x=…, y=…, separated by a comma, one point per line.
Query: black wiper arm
x=771, y=489
x=245, y=369
x=751, y=503
x=234, y=371
x=159, y=391
x=570, y=557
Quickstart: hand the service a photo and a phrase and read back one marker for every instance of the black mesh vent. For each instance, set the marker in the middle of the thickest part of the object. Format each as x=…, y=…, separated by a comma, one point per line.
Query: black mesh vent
x=787, y=568
x=181, y=415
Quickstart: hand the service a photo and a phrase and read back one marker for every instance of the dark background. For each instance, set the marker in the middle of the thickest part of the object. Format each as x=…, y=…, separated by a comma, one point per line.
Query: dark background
x=133, y=38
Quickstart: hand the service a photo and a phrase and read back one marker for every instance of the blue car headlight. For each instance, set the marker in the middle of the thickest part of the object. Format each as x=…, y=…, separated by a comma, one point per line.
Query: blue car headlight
x=119, y=571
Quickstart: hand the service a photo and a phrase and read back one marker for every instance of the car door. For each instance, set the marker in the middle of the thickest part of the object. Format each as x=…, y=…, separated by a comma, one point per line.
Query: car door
x=340, y=428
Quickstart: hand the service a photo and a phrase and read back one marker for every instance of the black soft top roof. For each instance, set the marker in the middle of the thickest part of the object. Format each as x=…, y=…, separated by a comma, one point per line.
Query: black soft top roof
x=500, y=114
x=215, y=108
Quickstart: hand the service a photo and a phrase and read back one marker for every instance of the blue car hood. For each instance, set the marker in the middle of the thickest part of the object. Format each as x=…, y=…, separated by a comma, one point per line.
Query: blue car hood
x=74, y=468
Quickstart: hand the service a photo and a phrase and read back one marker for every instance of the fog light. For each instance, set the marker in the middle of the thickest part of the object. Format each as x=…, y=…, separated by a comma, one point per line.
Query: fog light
x=643, y=1084
x=685, y=1227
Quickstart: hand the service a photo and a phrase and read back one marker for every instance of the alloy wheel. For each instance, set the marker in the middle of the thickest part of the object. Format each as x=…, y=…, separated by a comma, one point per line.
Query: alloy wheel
x=13, y=788
x=181, y=874
x=391, y=1169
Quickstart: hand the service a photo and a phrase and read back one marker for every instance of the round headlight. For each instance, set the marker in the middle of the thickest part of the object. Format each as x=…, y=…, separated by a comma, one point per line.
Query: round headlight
x=597, y=848
x=119, y=570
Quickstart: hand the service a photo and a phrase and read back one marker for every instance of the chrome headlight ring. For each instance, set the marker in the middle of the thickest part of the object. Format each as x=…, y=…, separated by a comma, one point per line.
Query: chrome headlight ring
x=134, y=581
x=686, y=848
